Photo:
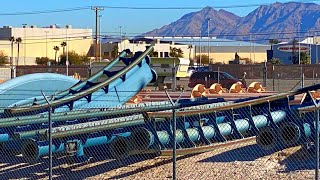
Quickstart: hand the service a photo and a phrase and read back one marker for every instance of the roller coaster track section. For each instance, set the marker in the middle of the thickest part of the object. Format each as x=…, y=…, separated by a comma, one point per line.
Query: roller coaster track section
x=197, y=130
x=28, y=126
x=295, y=131
x=111, y=92
x=76, y=87
x=31, y=85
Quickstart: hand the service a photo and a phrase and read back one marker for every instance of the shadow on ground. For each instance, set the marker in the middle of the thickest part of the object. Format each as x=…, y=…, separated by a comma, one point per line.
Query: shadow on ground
x=300, y=159
x=16, y=167
x=246, y=153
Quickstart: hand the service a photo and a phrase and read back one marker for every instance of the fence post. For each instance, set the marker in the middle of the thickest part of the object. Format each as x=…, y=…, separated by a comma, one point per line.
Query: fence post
x=313, y=77
x=273, y=87
x=278, y=82
x=90, y=69
x=302, y=76
x=11, y=72
x=174, y=129
x=174, y=78
x=50, y=134
x=317, y=143
x=265, y=74
x=218, y=75
x=316, y=120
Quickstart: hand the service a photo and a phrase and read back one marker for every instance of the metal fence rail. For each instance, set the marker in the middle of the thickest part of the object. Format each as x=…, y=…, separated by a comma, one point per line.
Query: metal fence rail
x=269, y=139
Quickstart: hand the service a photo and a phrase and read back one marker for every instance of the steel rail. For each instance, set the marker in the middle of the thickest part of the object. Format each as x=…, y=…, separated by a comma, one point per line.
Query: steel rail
x=235, y=105
x=83, y=93
x=80, y=84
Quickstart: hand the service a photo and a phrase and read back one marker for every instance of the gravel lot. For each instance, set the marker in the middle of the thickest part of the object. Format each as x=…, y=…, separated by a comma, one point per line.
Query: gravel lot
x=244, y=161
x=240, y=161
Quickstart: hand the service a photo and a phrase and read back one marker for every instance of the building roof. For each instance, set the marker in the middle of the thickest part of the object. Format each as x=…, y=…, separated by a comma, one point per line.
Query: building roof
x=203, y=41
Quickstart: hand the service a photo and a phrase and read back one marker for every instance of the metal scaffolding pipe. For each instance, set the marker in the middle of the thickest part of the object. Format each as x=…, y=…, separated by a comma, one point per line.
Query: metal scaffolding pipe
x=142, y=139
x=32, y=149
x=291, y=133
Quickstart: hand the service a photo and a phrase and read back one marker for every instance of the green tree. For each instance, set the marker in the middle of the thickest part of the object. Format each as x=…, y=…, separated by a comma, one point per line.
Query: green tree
x=204, y=59
x=12, y=40
x=18, y=41
x=304, y=58
x=275, y=61
x=153, y=53
x=248, y=60
x=74, y=58
x=44, y=61
x=295, y=56
x=63, y=45
x=176, y=52
x=115, y=51
x=190, y=47
x=56, y=49
x=273, y=41
x=3, y=58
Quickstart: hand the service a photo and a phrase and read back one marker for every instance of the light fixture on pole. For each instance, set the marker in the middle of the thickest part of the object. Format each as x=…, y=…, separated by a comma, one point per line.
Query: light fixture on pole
x=209, y=39
x=24, y=44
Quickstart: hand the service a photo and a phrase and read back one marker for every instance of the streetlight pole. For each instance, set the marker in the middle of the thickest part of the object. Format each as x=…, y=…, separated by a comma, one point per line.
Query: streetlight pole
x=200, y=48
x=317, y=60
x=209, y=39
x=124, y=38
x=67, y=53
x=120, y=39
x=254, y=50
x=100, y=37
x=299, y=24
x=250, y=46
x=24, y=44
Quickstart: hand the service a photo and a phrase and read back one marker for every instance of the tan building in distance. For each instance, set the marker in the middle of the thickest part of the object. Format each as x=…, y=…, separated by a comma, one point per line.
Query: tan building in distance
x=39, y=42
x=220, y=50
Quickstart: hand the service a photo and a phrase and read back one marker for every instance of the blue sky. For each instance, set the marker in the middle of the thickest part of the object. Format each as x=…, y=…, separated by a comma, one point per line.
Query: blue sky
x=133, y=21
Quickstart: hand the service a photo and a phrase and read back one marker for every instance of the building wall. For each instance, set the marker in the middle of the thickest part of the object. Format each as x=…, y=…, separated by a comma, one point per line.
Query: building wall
x=286, y=56
x=163, y=49
x=221, y=54
x=225, y=57
x=39, y=42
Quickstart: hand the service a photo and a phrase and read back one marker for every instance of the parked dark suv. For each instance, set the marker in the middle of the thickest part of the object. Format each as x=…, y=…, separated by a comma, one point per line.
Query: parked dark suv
x=207, y=78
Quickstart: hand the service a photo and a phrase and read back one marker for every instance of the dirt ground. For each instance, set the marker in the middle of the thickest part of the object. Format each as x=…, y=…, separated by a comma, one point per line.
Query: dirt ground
x=240, y=161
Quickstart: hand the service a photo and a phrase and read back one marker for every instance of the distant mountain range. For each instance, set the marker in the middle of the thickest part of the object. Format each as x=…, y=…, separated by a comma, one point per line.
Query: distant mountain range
x=282, y=21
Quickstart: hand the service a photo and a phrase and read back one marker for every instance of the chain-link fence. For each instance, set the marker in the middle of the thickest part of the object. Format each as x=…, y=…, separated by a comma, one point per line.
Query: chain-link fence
x=270, y=138
x=82, y=70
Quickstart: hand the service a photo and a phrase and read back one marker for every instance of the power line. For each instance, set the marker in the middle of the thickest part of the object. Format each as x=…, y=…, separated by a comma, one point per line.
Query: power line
x=45, y=11
x=138, y=8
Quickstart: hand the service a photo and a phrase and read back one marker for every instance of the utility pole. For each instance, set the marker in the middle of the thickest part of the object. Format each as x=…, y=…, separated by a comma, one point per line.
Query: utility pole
x=100, y=58
x=24, y=44
x=209, y=39
x=299, y=27
x=96, y=9
x=120, y=49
